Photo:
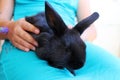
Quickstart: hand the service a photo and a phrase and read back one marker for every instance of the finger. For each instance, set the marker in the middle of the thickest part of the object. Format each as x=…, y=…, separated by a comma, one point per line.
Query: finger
x=28, y=27
x=21, y=47
x=27, y=37
x=23, y=43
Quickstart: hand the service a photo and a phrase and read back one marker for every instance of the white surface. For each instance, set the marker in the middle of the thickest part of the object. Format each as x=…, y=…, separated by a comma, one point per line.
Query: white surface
x=1, y=42
x=108, y=25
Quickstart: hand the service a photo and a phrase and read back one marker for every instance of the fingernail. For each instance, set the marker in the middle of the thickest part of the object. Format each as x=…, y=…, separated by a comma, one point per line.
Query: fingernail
x=26, y=49
x=33, y=48
x=35, y=43
x=36, y=31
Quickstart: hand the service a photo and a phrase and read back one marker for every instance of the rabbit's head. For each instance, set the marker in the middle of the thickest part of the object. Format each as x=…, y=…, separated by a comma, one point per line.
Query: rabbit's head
x=60, y=46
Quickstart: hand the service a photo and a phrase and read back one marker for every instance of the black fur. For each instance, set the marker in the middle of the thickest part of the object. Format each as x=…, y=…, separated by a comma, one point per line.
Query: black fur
x=59, y=46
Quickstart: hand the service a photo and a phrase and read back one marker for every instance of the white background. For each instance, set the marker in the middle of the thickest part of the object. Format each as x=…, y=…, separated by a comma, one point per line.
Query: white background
x=108, y=25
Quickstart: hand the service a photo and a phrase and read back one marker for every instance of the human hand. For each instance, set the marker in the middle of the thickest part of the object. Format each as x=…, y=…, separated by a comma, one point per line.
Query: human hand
x=19, y=36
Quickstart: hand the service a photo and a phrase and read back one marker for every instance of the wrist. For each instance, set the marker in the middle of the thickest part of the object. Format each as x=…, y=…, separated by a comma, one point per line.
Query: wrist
x=4, y=29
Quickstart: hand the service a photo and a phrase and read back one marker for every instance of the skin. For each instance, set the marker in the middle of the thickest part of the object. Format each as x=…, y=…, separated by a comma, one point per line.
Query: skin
x=18, y=29
x=84, y=11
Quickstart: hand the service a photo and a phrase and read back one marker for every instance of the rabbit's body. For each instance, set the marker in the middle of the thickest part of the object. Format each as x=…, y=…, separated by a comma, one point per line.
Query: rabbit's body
x=59, y=46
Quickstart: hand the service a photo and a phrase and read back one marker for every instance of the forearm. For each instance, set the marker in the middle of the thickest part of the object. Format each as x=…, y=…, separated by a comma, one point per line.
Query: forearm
x=2, y=36
x=6, y=9
x=83, y=12
x=89, y=34
x=3, y=33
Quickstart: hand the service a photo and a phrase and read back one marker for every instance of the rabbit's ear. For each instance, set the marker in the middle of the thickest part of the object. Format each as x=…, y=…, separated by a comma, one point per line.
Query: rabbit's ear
x=54, y=20
x=85, y=23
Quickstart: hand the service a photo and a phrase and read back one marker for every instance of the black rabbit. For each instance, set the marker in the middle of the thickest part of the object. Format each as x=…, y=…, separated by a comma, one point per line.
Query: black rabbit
x=60, y=46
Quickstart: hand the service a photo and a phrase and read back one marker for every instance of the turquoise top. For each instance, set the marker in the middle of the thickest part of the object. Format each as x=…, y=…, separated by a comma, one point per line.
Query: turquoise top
x=67, y=9
x=16, y=64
